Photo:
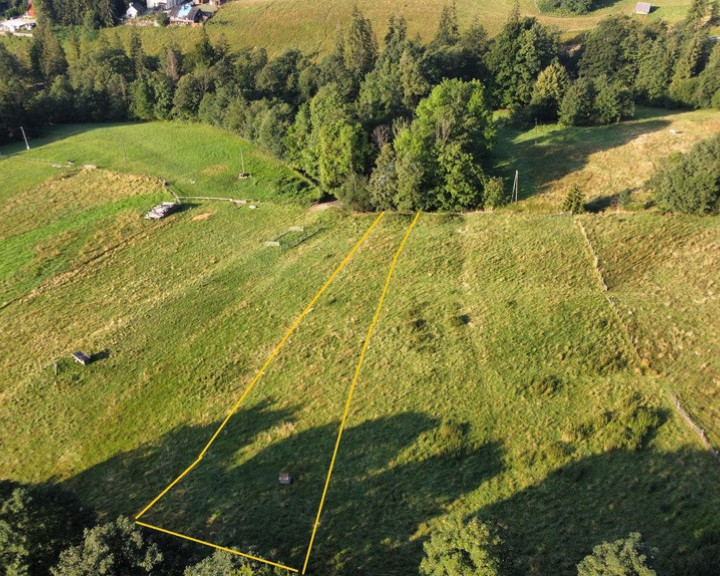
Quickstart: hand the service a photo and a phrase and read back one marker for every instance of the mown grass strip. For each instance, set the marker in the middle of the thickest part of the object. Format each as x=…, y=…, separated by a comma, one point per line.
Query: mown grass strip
x=267, y=363
x=354, y=382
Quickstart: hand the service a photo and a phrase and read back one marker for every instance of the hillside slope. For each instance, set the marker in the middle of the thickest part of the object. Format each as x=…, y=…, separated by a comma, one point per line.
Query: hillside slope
x=311, y=25
x=498, y=382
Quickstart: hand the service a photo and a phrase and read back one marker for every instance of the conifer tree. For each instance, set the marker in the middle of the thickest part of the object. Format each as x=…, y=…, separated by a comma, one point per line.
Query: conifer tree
x=448, y=33
x=360, y=47
x=549, y=91
x=574, y=201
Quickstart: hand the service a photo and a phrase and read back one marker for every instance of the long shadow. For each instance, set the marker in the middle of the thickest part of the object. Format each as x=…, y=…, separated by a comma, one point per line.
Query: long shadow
x=672, y=499
x=376, y=501
x=43, y=136
x=545, y=154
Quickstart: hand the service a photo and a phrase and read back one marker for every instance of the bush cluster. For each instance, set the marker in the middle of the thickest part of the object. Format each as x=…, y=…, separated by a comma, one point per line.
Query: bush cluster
x=690, y=182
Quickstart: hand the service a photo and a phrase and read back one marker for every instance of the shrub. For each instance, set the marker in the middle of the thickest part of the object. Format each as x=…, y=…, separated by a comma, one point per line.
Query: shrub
x=574, y=202
x=628, y=557
x=456, y=549
x=495, y=193
x=631, y=428
x=690, y=183
x=354, y=195
x=163, y=19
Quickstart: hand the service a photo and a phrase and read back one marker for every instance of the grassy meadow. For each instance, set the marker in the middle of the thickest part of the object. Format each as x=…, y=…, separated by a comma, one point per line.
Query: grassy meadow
x=310, y=25
x=662, y=273
x=498, y=382
x=604, y=161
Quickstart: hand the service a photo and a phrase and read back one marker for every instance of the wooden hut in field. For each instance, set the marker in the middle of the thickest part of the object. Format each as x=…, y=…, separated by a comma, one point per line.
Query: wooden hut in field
x=643, y=8
x=81, y=358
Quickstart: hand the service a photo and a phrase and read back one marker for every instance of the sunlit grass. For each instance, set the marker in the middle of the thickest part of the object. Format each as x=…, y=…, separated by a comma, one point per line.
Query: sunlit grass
x=498, y=381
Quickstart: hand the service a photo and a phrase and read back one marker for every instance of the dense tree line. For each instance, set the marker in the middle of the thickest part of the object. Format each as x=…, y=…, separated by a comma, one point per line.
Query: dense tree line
x=13, y=8
x=93, y=13
x=406, y=127
x=574, y=6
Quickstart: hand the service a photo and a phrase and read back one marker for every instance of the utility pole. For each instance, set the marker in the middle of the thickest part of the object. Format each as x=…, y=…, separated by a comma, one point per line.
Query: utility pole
x=516, y=186
x=27, y=146
x=122, y=141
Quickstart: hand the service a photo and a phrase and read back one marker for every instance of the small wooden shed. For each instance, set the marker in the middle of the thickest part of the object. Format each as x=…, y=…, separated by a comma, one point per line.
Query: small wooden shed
x=643, y=8
x=81, y=357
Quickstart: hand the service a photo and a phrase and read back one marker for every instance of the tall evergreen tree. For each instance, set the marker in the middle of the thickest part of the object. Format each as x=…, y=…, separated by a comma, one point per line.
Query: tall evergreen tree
x=549, y=91
x=46, y=53
x=709, y=86
x=612, y=50
x=448, y=33
x=518, y=54
x=578, y=105
x=360, y=47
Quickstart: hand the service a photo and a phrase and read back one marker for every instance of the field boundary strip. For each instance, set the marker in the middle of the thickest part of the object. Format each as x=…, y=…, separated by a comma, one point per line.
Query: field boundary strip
x=237, y=404
x=643, y=363
x=358, y=368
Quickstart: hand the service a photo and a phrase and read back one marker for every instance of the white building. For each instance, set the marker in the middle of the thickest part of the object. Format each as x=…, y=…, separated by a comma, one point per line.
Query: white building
x=163, y=4
x=17, y=24
x=134, y=10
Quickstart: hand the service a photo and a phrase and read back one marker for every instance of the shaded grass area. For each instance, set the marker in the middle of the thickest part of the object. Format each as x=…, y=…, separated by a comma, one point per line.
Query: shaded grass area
x=604, y=161
x=663, y=272
x=195, y=159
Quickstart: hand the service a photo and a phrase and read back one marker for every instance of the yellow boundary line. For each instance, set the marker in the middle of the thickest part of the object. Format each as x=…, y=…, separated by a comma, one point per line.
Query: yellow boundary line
x=352, y=386
x=246, y=392
x=214, y=546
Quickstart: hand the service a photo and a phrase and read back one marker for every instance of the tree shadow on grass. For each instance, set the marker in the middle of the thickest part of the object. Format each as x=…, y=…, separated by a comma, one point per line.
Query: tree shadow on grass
x=38, y=137
x=545, y=154
x=671, y=498
x=377, y=498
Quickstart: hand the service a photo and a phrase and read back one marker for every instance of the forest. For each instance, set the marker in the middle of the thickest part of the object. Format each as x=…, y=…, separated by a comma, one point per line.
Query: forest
x=406, y=127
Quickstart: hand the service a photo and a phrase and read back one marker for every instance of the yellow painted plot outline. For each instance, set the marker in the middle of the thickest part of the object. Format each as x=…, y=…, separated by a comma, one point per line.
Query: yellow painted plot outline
x=352, y=386
x=237, y=404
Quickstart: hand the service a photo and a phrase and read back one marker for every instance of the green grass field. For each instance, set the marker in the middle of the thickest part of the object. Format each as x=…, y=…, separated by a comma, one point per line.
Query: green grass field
x=310, y=25
x=498, y=381
x=604, y=161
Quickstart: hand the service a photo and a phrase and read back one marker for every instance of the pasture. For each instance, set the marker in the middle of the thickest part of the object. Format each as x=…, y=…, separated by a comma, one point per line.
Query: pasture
x=498, y=381
x=311, y=26
x=605, y=161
